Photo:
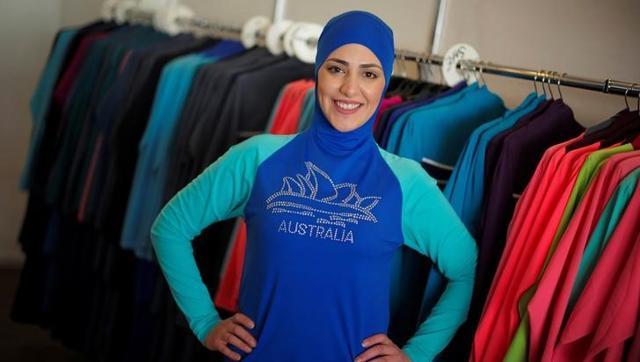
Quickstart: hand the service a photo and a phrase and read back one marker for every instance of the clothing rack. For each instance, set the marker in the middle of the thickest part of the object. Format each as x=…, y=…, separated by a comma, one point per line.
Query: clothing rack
x=551, y=77
x=209, y=27
x=608, y=85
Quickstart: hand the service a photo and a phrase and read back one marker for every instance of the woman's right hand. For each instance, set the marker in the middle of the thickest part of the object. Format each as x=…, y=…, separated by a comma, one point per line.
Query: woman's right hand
x=232, y=330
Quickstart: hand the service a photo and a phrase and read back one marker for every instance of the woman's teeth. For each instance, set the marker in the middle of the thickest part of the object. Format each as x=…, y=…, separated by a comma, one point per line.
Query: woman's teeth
x=348, y=106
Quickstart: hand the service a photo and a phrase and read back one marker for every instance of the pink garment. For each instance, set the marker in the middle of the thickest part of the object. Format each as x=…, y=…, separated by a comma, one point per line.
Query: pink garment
x=548, y=305
x=606, y=314
x=524, y=257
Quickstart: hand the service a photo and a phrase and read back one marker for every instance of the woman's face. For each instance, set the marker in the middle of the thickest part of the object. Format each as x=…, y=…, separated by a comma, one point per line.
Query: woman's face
x=350, y=84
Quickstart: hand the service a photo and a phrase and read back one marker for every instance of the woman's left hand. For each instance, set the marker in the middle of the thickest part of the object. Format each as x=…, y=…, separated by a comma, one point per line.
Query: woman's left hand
x=381, y=349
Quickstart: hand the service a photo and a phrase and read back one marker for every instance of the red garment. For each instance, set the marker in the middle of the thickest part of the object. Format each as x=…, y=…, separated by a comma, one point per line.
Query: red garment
x=290, y=108
x=63, y=88
x=385, y=104
x=634, y=348
x=606, y=314
x=229, y=287
x=549, y=303
x=525, y=255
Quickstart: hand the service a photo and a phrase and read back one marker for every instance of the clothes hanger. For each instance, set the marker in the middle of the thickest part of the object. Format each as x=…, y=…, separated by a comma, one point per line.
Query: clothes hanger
x=636, y=141
x=629, y=129
x=610, y=132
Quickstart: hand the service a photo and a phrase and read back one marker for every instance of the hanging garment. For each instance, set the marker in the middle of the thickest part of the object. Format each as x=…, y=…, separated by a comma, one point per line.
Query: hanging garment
x=466, y=184
x=622, y=165
x=229, y=288
x=145, y=198
x=377, y=202
x=307, y=110
x=39, y=103
x=521, y=149
x=538, y=293
x=611, y=294
x=290, y=109
x=389, y=118
x=385, y=105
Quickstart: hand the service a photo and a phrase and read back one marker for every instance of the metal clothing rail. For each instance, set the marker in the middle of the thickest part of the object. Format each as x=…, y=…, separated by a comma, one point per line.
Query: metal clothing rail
x=554, y=78
x=219, y=30
x=611, y=86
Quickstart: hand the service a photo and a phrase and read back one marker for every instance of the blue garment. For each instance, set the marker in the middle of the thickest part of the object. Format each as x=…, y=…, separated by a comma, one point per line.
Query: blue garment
x=41, y=98
x=397, y=113
x=439, y=132
x=325, y=212
x=465, y=187
x=145, y=199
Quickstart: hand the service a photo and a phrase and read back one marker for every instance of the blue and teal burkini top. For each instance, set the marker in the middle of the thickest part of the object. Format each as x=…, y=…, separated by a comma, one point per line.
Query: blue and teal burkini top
x=325, y=213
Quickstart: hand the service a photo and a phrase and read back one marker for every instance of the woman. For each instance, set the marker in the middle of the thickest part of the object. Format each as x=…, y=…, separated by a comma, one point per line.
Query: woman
x=325, y=210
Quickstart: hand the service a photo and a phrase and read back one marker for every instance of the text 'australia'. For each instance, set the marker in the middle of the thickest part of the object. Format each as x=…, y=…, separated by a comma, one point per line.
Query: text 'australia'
x=316, y=231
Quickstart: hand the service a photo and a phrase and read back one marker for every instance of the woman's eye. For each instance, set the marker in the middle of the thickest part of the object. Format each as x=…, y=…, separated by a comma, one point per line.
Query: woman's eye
x=371, y=75
x=334, y=69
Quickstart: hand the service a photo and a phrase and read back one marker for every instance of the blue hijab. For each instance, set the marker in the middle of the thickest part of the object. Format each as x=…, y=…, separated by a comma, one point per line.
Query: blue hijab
x=353, y=27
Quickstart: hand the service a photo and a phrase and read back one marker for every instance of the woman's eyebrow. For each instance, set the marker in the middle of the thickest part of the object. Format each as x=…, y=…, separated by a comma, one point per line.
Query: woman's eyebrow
x=345, y=63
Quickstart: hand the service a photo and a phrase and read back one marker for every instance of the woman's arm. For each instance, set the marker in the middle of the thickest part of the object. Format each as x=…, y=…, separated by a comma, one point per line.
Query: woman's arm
x=218, y=193
x=431, y=227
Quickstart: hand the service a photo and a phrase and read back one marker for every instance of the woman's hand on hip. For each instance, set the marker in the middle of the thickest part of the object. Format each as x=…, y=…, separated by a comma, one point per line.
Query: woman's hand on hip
x=379, y=348
x=232, y=330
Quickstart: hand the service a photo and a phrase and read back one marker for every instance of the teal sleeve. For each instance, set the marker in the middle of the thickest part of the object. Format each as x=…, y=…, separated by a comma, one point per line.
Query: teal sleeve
x=218, y=193
x=431, y=227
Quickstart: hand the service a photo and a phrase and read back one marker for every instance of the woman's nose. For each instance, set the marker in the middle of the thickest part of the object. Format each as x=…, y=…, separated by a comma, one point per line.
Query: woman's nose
x=349, y=86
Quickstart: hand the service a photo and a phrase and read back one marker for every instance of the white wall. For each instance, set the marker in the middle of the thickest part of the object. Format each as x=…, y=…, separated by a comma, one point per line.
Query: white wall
x=27, y=29
x=589, y=38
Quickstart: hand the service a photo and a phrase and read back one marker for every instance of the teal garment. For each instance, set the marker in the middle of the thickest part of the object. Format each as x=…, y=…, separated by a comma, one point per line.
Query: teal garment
x=307, y=110
x=600, y=237
x=144, y=201
x=275, y=108
x=439, y=133
x=41, y=99
x=466, y=185
x=397, y=128
x=468, y=173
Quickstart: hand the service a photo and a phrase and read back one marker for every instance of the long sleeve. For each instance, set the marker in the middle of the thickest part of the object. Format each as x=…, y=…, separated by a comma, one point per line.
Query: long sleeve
x=431, y=227
x=219, y=193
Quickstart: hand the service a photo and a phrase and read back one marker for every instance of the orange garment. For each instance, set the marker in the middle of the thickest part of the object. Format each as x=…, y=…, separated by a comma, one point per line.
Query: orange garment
x=289, y=111
x=229, y=287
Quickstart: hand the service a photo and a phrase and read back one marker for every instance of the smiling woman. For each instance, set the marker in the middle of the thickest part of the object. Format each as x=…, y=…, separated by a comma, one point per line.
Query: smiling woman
x=302, y=296
x=350, y=85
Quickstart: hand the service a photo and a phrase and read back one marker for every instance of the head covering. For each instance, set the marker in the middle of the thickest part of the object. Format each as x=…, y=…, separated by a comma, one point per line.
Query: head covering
x=352, y=27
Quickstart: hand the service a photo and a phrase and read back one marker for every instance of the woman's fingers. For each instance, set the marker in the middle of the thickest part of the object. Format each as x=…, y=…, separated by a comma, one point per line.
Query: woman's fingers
x=243, y=334
x=375, y=339
x=239, y=343
x=229, y=353
x=244, y=320
x=378, y=350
